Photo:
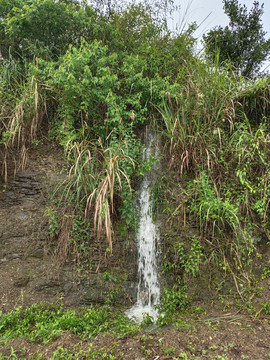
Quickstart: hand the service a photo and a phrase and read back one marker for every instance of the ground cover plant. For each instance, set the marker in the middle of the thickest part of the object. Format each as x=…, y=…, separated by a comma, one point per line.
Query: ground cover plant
x=51, y=332
x=43, y=322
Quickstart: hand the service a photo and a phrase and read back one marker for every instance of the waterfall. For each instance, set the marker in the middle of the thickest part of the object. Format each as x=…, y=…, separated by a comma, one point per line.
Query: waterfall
x=148, y=290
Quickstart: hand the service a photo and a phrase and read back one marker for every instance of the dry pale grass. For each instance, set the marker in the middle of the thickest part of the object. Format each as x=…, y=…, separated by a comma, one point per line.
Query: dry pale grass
x=96, y=174
x=20, y=126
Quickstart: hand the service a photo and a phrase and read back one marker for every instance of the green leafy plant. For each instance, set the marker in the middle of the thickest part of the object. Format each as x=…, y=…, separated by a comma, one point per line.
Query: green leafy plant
x=266, y=307
x=212, y=209
x=191, y=260
x=43, y=323
x=53, y=227
x=62, y=353
x=168, y=350
x=266, y=272
x=173, y=300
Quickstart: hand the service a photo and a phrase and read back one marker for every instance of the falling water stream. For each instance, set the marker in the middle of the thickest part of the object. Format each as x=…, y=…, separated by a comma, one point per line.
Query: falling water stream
x=148, y=290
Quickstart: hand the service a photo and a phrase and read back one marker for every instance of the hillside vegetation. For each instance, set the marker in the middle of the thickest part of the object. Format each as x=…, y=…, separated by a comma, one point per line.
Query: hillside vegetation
x=72, y=75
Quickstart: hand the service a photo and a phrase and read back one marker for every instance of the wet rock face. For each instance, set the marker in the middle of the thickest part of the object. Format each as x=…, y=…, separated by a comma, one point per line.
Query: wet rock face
x=24, y=189
x=22, y=262
x=19, y=201
x=29, y=272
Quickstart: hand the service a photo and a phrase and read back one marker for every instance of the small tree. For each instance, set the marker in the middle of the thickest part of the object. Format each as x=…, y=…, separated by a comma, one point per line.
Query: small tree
x=242, y=42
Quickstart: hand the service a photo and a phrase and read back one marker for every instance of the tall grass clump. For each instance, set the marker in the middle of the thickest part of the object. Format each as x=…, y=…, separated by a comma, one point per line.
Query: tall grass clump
x=22, y=112
x=254, y=101
x=97, y=175
x=197, y=115
x=214, y=145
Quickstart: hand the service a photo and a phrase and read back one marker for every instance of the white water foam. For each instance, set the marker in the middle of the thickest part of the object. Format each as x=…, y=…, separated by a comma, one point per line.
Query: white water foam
x=148, y=290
